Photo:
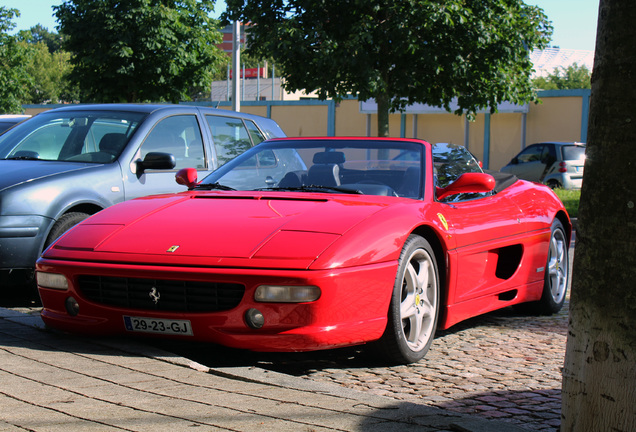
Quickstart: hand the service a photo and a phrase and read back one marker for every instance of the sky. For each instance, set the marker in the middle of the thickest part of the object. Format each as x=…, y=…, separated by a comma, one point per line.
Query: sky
x=574, y=21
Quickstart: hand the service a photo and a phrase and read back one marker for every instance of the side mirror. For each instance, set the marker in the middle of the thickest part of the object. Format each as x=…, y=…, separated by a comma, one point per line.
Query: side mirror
x=156, y=161
x=187, y=177
x=468, y=183
x=514, y=161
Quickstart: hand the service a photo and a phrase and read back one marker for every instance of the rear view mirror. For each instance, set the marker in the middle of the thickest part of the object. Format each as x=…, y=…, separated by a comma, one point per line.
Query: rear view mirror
x=468, y=183
x=156, y=161
x=75, y=122
x=187, y=177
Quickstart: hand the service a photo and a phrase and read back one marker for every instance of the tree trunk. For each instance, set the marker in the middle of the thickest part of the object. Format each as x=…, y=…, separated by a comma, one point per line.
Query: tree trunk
x=382, y=100
x=599, y=377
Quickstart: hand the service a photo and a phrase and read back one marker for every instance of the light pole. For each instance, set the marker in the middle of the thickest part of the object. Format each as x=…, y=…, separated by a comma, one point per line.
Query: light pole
x=236, y=61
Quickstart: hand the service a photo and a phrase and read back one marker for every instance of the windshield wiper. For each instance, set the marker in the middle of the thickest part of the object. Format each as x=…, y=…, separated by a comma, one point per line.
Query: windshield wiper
x=215, y=186
x=314, y=188
x=23, y=158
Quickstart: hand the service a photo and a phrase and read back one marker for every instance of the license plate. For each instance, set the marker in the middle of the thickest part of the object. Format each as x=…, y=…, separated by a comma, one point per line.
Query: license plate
x=158, y=326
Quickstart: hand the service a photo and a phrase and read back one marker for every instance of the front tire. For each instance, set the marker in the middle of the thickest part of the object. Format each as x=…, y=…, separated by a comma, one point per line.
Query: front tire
x=63, y=224
x=414, y=306
x=557, y=275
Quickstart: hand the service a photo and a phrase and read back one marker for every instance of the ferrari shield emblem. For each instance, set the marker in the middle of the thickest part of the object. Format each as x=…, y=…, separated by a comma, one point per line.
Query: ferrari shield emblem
x=172, y=248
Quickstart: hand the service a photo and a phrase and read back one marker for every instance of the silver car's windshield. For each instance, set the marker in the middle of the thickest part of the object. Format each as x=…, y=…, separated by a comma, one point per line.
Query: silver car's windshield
x=372, y=167
x=86, y=136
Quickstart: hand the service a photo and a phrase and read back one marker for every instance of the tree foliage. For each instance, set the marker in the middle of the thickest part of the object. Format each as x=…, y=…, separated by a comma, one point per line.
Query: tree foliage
x=139, y=50
x=49, y=72
x=14, y=78
x=400, y=51
x=38, y=33
x=562, y=78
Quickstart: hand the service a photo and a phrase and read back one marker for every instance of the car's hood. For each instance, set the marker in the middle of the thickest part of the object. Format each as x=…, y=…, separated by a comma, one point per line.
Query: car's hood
x=218, y=229
x=15, y=172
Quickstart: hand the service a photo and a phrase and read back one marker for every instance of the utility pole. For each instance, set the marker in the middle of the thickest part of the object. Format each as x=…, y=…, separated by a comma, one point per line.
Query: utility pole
x=236, y=62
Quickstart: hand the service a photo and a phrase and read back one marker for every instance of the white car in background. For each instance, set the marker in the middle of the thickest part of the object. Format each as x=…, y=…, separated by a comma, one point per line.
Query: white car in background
x=556, y=164
x=9, y=120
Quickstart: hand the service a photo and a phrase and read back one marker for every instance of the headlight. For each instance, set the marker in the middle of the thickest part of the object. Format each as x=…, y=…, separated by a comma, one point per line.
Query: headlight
x=286, y=294
x=52, y=280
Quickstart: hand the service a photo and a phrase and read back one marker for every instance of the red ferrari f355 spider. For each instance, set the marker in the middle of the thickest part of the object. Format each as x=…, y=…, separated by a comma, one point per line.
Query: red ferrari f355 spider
x=311, y=243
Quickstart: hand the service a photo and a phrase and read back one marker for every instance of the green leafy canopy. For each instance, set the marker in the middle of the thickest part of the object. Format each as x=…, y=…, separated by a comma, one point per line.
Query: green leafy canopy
x=565, y=77
x=14, y=78
x=140, y=50
x=400, y=51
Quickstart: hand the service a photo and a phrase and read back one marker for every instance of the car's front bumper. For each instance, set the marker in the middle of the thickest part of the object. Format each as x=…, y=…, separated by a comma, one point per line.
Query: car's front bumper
x=21, y=240
x=352, y=308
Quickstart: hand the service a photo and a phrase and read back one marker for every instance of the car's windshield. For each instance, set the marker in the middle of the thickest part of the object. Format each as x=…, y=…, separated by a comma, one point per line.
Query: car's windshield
x=372, y=167
x=78, y=136
x=573, y=152
x=451, y=161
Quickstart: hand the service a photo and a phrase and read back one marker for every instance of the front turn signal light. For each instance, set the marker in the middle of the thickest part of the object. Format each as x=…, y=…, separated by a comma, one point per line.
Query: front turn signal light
x=286, y=294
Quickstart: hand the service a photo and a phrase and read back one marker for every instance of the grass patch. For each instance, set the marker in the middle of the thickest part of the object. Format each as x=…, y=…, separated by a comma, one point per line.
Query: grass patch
x=570, y=199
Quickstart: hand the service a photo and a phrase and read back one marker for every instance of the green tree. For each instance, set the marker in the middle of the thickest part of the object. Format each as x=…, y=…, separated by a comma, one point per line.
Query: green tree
x=49, y=72
x=38, y=33
x=400, y=51
x=14, y=78
x=49, y=67
x=599, y=374
x=570, y=77
x=139, y=50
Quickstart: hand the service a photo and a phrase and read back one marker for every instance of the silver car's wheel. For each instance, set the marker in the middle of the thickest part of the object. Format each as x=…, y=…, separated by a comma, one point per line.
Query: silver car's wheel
x=414, y=307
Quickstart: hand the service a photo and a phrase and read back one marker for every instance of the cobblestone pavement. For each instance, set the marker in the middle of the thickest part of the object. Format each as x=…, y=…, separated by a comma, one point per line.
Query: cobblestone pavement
x=503, y=365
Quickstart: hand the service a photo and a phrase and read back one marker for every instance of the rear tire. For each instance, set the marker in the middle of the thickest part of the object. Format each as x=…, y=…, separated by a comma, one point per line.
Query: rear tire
x=63, y=224
x=553, y=184
x=414, y=306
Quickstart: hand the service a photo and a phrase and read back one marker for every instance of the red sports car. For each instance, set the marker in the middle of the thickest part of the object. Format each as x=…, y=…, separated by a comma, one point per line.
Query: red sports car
x=311, y=243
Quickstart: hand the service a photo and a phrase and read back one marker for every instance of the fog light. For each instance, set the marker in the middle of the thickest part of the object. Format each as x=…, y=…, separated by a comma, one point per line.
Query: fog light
x=254, y=318
x=72, y=307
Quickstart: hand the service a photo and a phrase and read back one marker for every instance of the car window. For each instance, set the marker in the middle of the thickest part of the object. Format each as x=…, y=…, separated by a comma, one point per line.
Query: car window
x=230, y=136
x=451, y=161
x=180, y=136
x=255, y=133
x=549, y=155
x=573, y=152
x=531, y=154
x=5, y=125
x=95, y=137
x=266, y=159
x=357, y=166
